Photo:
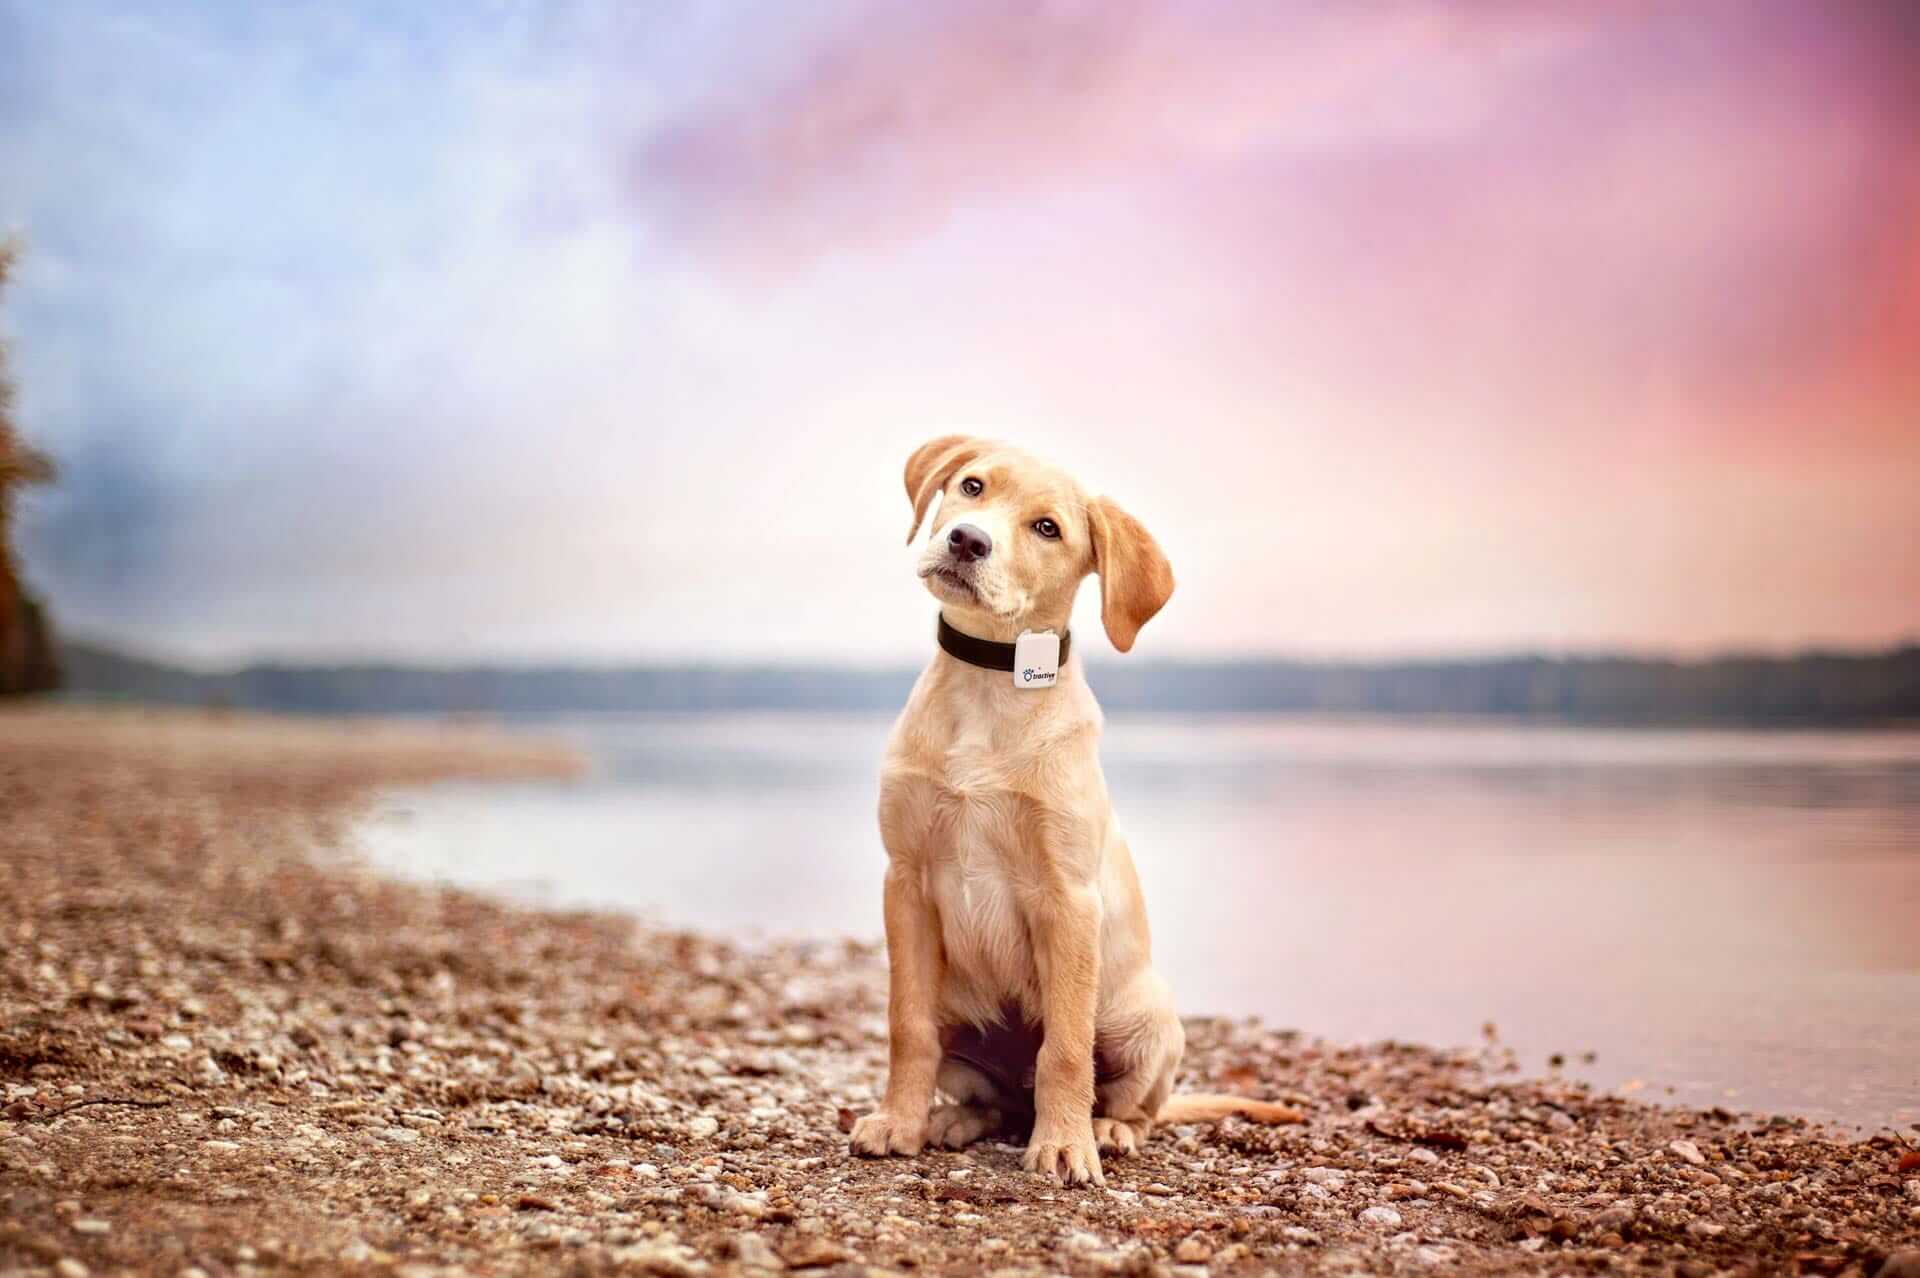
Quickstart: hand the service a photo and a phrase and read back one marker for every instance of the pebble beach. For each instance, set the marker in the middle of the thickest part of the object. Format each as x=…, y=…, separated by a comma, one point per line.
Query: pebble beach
x=227, y=1047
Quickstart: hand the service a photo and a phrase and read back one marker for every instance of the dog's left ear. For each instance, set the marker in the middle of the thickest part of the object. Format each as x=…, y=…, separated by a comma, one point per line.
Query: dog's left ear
x=931, y=466
x=1135, y=578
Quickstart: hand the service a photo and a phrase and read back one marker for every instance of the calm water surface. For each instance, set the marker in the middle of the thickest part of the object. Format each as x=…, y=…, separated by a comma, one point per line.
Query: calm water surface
x=1727, y=918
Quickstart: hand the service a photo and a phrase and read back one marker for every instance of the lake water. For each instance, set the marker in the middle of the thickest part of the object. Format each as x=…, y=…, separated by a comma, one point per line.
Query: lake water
x=1718, y=917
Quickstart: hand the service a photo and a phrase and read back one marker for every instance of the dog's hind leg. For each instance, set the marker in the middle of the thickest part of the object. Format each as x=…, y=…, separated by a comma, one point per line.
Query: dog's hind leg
x=977, y=1109
x=1138, y=1077
x=1128, y=1106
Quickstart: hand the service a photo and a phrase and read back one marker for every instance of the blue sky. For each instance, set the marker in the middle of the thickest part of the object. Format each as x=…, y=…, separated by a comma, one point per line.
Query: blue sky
x=602, y=329
x=314, y=297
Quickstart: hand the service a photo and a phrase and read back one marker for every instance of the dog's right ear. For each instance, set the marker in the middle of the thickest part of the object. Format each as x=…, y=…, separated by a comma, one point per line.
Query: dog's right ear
x=931, y=466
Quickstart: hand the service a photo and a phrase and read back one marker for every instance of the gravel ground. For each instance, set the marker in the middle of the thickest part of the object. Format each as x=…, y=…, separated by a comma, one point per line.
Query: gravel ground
x=226, y=1050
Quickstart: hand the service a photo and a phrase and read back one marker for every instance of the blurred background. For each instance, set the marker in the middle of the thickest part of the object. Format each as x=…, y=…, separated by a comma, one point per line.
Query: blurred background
x=1528, y=398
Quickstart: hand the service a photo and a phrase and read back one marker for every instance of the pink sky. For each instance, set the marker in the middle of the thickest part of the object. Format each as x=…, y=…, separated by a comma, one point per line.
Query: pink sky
x=1577, y=325
x=1409, y=328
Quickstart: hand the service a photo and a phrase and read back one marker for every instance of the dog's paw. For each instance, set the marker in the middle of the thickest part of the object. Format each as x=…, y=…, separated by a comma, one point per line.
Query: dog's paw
x=1068, y=1155
x=881, y=1133
x=1117, y=1137
x=957, y=1126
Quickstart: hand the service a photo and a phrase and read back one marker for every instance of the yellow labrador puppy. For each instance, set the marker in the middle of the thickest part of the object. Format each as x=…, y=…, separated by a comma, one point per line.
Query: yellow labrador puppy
x=1021, y=977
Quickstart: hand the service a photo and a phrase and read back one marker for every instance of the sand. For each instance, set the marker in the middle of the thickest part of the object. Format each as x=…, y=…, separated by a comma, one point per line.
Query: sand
x=227, y=1048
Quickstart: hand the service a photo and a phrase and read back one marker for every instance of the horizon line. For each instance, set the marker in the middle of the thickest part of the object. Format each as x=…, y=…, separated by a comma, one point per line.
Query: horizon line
x=1458, y=658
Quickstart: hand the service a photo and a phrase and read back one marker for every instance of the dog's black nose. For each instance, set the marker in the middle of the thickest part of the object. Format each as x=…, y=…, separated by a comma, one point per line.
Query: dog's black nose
x=968, y=543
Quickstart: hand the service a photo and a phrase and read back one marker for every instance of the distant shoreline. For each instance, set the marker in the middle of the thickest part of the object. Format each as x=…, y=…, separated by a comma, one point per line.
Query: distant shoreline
x=1810, y=690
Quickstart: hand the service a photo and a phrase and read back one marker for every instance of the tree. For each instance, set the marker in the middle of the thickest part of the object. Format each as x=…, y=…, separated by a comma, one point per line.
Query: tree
x=26, y=644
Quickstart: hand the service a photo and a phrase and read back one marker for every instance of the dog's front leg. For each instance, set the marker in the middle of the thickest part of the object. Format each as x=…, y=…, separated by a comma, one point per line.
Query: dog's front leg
x=914, y=961
x=1066, y=932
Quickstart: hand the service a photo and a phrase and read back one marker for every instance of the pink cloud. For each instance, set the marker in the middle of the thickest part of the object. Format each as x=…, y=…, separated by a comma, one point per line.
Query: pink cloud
x=910, y=111
x=1698, y=212
x=1577, y=323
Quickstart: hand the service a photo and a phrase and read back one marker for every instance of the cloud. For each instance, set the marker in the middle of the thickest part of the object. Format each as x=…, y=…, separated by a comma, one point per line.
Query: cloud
x=1697, y=214
x=303, y=290
x=590, y=327
x=906, y=112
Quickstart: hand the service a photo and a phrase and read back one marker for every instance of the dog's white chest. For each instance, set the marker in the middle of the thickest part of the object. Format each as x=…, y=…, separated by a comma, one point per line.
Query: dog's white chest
x=971, y=878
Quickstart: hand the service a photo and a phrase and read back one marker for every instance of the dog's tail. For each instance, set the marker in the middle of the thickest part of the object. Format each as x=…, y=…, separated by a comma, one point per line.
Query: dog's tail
x=1205, y=1107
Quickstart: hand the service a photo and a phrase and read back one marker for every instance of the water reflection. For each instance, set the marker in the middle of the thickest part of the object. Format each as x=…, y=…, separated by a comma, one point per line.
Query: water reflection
x=1730, y=915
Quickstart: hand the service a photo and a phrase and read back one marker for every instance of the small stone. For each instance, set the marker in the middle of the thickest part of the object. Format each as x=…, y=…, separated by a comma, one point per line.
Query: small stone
x=1123, y=1260
x=1192, y=1251
x=1689, y=1151
x=746, y=1205
x=400, y=1135
x=177, y=1043
x=754, y=1252
x=1611, y=1220
x=220, y=1146
x=1901, y=1264
x=1434, y=1255
x=89, y=1225
x=1300, y=1236
x=703, y=1126
x=68, y=1267
x=660, y=1257
x=814, y=1252
x=1385, y=1217
x=1158, y=1190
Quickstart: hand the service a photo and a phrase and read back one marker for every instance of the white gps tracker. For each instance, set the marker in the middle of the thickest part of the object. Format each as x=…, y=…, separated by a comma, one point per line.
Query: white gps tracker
x=1036, y=659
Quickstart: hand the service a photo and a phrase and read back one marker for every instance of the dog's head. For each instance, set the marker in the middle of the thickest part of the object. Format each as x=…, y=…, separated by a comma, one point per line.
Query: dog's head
x=1016, y=537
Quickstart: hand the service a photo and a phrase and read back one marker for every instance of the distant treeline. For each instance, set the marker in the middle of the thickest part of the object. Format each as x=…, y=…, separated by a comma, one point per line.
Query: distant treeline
x=1807, y=690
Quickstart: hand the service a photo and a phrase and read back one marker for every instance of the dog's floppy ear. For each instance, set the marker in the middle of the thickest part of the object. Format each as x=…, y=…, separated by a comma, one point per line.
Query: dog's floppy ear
x=931, y=466
x=1135, y=578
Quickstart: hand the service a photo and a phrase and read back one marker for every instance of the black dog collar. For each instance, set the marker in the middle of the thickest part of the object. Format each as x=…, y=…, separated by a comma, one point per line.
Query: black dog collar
x=985, y=653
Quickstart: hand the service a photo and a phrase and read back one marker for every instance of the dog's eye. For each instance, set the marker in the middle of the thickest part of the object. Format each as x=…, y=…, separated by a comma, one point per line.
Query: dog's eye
x=1047, y=528
x=972, y=487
